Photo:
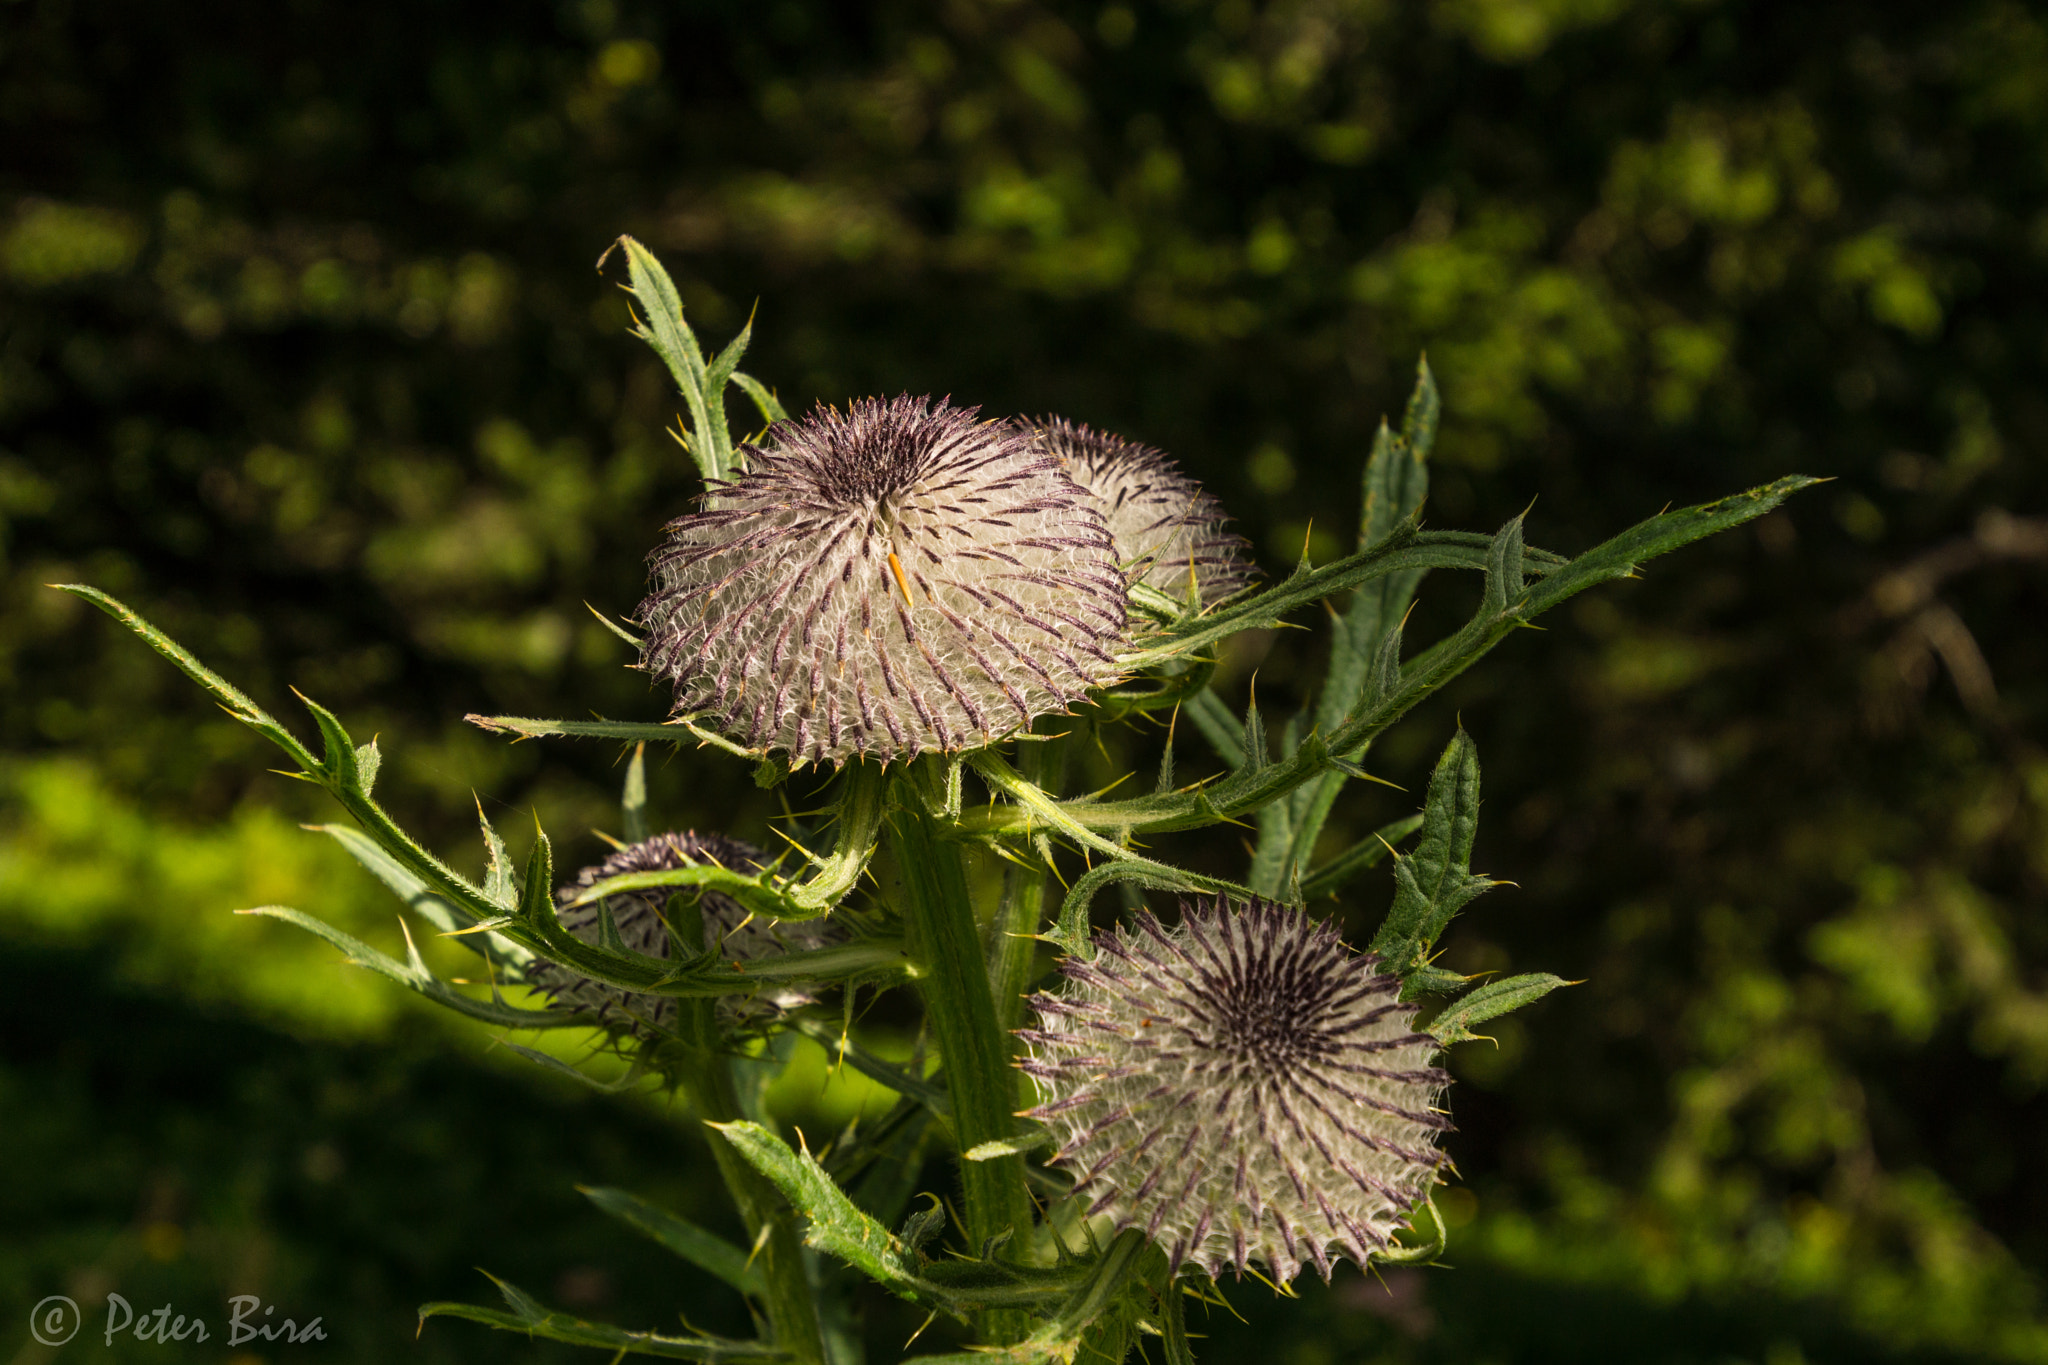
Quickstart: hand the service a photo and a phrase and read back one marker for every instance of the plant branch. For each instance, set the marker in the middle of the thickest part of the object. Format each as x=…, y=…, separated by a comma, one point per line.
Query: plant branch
x=946, y=943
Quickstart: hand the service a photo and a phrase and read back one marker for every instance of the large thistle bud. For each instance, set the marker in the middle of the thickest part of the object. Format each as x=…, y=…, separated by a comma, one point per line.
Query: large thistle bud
x=1170, y=534
x=638, y=918
x=896, y=578
x=1243, y=1088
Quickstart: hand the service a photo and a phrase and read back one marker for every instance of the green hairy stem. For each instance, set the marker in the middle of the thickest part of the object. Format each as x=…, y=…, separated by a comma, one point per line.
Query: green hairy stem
x=792, y=1315
x=947, y=944
x=1013, y=939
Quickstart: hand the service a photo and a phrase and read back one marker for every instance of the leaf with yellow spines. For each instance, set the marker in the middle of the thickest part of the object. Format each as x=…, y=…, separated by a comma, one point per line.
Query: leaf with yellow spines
x=1453, y=1023
x=413, y=975
x=528, y=1316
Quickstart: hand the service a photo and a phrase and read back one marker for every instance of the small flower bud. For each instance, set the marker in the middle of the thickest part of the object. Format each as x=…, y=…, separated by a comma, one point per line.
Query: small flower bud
x=638, y=917
x=1242, y=1088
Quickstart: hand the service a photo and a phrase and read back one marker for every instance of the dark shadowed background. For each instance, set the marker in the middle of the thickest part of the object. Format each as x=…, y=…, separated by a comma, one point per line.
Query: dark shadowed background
x=303, y=354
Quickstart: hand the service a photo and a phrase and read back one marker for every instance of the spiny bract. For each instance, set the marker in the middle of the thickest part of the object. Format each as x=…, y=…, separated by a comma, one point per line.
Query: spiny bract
x=637, y=915
x=885, y=581
x=1170, y=534
x=1242, y=1088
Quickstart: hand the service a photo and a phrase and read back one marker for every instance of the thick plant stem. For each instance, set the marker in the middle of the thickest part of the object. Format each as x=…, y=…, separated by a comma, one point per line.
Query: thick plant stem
x=1173, y=1324
x=708, y=1085
x=946, y=944
x=1013, y=942
x=792, y=1316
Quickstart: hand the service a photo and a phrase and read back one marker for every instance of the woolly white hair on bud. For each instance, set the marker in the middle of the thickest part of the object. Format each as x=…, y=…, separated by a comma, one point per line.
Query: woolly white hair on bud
x=1170, y=534
x=1242, y=1088
x=638, y=918
x=885, y=581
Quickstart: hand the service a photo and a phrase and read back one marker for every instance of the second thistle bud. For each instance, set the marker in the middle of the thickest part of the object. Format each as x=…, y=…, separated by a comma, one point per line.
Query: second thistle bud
x=1170, y=534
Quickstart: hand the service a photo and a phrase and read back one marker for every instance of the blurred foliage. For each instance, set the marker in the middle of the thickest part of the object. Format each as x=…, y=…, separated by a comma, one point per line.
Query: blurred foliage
x=300, y=352
x=172, y=1157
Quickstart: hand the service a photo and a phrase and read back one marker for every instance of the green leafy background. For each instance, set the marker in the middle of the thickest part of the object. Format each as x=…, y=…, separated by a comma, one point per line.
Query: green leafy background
x=302, y=354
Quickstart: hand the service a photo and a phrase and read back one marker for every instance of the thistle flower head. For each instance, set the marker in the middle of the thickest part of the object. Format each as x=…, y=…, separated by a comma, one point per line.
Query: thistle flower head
x=1242, y=1088
x=638, y=917
x=1170, y=534
x=884, y=581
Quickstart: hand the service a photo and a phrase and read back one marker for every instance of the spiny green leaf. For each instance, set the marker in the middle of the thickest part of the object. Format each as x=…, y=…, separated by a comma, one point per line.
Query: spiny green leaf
x=608, y=937
x=549, y=1062
x=1396, y=482
x=1254, y=737
x=1453, y=1024
x=1270, y=864
x=414, y=976
x=661, y=326
x=338, y=774
x=498, y=886
x=1661, y=534
x=1435, y=881
x=721, y=369
x=368, y=761
x=1097, y=1291
x=1383, y=677
x=1430, y=979
x=677, y=732
x=537, y=888
x=230, y=697
x=1420, y=676
x=1002, y=778
x=923, y=1225
x=838, y=1227
x=1425, y=407
x=339, y=760
x=835, y=1225
x=528, y=1316
x=1071, y=935
x=1367, y=853
x=1165, y=782
x=1173, y=1325
x=770, y=407
x=752, y=890
x=1504, y=569
x=633, y=801
x=436, y=909
x=1408, y=549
